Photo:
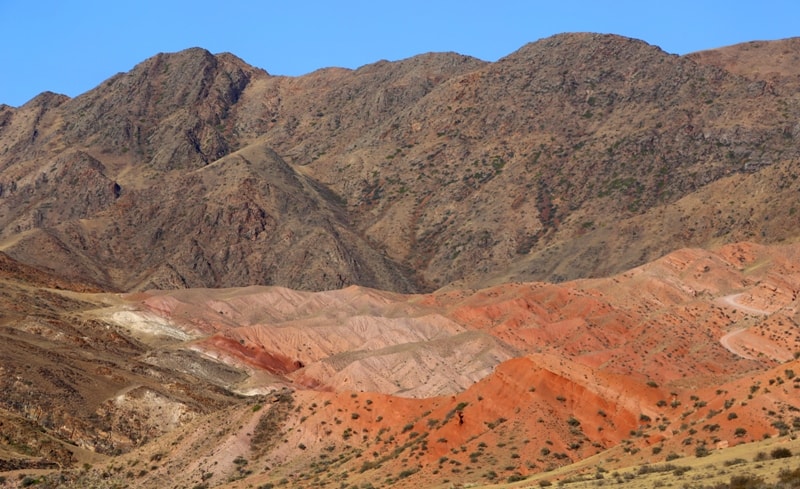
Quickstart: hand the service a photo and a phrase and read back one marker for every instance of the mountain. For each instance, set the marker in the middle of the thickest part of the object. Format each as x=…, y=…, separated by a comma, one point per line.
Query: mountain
x=604, y=152
x=581, y=258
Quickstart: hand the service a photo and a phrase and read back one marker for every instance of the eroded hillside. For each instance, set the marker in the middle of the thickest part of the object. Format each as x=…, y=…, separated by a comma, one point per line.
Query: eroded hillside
x=578, y=155
x=693, y=352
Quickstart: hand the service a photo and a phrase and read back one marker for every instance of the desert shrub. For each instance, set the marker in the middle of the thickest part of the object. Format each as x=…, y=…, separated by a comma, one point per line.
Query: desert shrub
x=656, y=469
x=781, y=452
x=679, y=471
x=516, y=477
x=746, y=481
x=781, y=426
x=28, y=481
x=790, y=477
x=736, y=461
x=406, y=473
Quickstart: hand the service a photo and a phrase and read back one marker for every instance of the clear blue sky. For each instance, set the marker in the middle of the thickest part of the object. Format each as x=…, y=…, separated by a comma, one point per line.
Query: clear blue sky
x=70, y=47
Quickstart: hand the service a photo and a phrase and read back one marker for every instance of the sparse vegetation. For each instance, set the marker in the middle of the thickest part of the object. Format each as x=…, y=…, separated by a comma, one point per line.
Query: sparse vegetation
x=623, y=168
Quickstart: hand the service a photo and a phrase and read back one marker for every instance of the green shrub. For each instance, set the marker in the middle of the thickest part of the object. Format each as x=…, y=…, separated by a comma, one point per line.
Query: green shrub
x=28, y=481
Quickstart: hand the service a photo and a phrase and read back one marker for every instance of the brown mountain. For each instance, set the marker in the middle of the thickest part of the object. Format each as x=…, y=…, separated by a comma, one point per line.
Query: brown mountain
x=578, y=155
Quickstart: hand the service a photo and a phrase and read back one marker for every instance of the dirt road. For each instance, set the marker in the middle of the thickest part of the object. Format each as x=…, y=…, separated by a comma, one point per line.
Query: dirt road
x=726, y=340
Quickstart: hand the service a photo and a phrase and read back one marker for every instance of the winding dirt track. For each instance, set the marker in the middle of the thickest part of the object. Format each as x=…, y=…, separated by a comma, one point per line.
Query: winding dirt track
x=730, y=300
x=725, y=341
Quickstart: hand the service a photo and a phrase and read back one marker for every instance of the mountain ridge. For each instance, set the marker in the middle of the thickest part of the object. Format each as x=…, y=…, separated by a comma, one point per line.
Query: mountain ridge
x=429, y=156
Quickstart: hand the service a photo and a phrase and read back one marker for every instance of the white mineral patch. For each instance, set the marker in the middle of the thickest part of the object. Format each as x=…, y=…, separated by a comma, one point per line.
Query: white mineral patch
x=142, y=322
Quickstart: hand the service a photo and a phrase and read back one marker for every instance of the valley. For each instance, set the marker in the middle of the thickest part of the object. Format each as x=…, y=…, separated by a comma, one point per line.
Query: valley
x=578, y=265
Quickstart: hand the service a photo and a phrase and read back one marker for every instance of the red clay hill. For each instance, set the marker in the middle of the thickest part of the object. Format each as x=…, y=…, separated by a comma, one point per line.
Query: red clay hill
x=695, y=351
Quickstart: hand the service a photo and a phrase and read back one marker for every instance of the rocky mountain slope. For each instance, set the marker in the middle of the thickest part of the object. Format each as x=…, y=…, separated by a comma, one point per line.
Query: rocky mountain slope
x=578, y=155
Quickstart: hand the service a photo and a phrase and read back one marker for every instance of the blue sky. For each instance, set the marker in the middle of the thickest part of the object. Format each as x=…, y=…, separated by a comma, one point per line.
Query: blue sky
x=71, y=47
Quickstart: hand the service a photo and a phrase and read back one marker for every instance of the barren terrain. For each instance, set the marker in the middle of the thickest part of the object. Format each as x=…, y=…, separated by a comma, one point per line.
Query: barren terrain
x=561, y=267
x=694, y=352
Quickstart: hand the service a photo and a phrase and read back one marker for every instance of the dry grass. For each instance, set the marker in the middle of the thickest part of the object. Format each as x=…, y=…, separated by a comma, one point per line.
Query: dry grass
x=750, y=459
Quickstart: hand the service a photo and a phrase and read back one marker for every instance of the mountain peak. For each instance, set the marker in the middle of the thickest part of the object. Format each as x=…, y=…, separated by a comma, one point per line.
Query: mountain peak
x=577, y=46
x=192, y=89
